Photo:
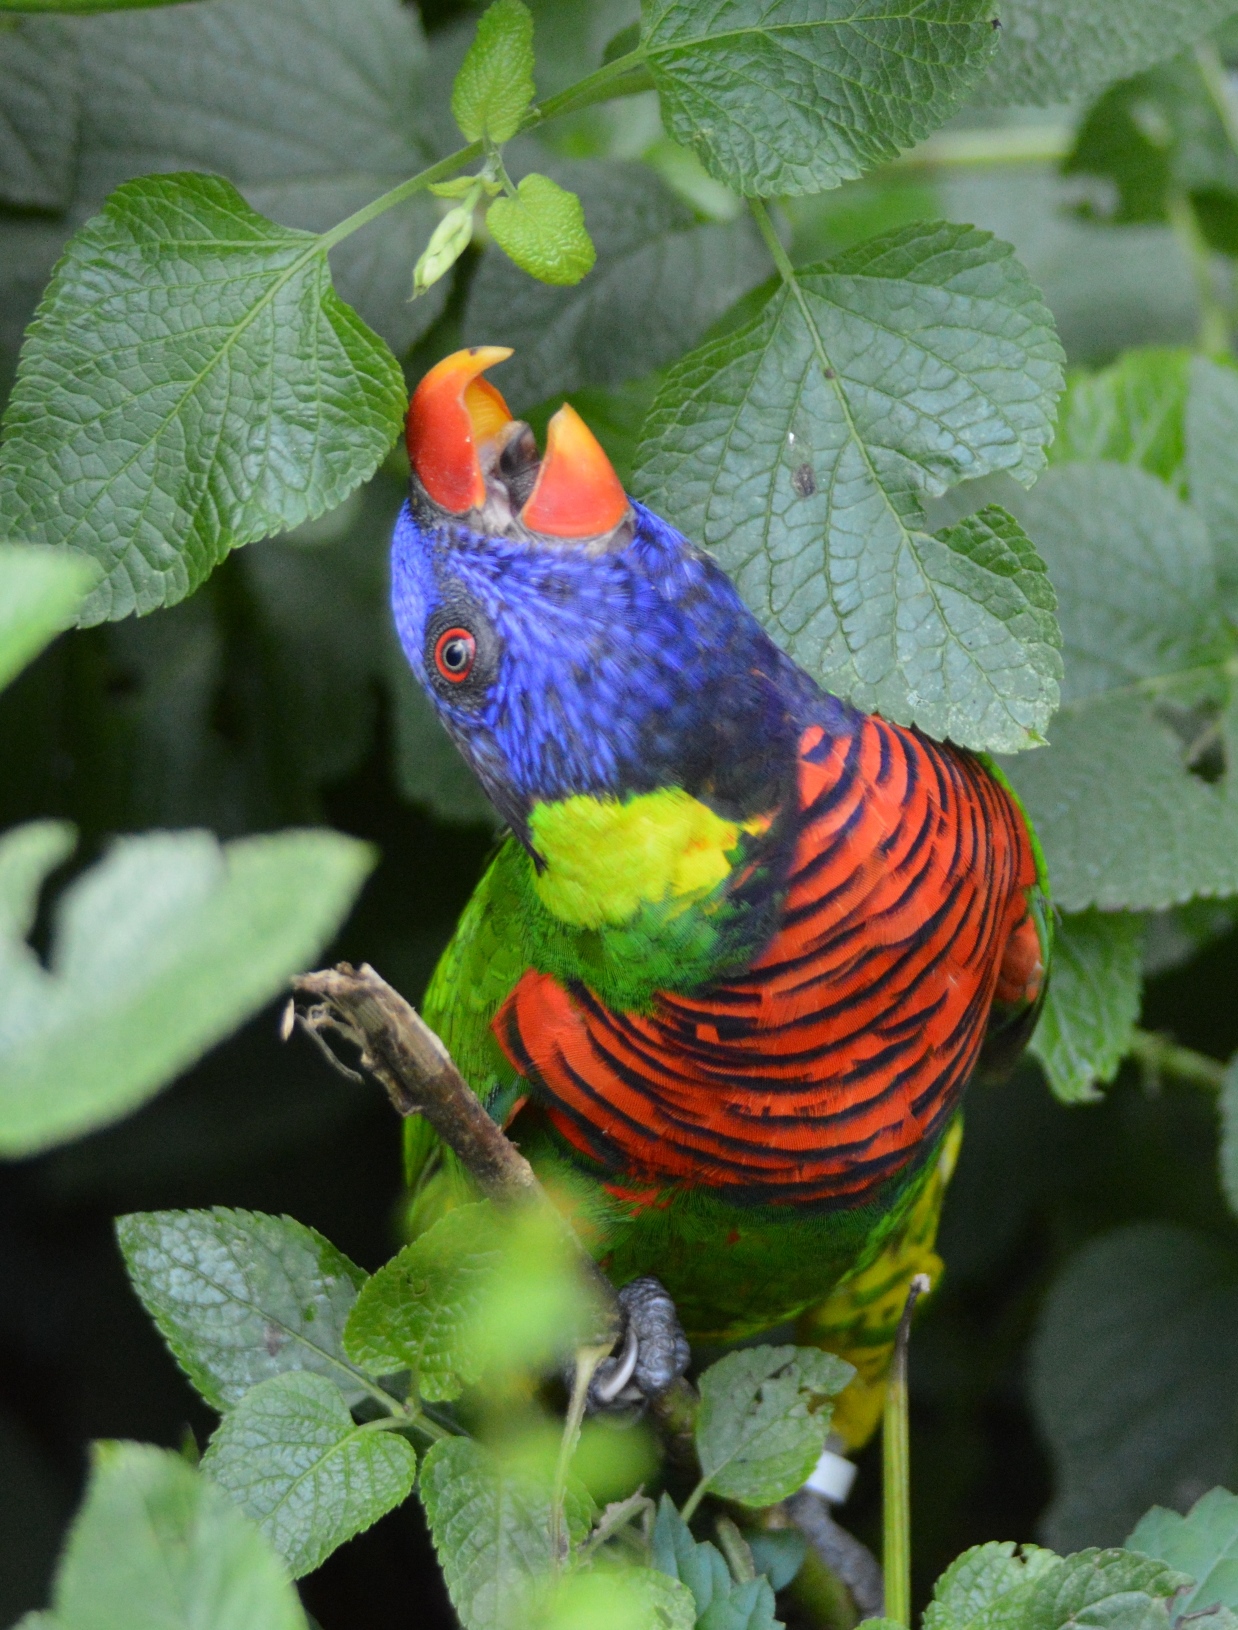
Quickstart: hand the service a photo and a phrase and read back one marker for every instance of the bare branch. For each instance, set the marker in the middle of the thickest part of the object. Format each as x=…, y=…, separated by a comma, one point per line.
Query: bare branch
x=399, y=1048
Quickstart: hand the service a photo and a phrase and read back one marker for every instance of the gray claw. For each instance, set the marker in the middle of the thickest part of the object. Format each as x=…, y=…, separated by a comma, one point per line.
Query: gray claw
x=654, y=1352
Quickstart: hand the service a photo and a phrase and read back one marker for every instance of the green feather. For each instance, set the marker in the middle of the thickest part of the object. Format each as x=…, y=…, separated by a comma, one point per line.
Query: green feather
x=475, y=975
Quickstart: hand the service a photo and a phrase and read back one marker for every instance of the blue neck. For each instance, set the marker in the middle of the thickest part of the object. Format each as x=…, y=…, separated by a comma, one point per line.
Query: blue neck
x=621, y=672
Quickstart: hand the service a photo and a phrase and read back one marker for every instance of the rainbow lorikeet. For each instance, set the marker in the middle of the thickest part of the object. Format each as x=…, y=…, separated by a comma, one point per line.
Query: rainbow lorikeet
x=728, y=974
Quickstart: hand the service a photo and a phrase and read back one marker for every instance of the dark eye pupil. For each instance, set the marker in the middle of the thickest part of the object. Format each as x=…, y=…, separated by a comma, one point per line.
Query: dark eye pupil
x=454, y=653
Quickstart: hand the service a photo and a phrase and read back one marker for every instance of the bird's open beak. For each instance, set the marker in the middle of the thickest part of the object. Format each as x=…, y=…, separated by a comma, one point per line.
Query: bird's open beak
x=453, y=413
x=456, y=414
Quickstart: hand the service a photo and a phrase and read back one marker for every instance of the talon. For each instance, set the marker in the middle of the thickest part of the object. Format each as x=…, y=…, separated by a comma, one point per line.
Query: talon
x=655, y=1350
x=620, y=1371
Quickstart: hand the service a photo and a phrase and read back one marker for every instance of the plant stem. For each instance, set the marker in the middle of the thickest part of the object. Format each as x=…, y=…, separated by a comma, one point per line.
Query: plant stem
x=688, y=1510
x=624, y=77
x=895, y=1471
x=772, y=241
x=1216, y=83
x=985, y=149
x=1160, y=1056
x=587, y=1361
x=398, y=1047
x=442, y=171
x=404, y=1423
x=1213, y=317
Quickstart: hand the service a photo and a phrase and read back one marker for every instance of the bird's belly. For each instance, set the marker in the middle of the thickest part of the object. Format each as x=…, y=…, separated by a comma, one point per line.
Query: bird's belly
x=733, y=1270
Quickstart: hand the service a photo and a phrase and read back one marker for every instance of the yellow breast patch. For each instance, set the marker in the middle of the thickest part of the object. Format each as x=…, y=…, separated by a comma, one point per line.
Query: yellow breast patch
x=605, y=859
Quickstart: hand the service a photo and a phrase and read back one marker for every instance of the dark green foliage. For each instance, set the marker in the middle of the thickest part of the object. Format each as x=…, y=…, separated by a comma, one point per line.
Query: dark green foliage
x=1202, y=1543
x=1132, y=1370
x=1093, y=1003
x=844, y=395
x=772, y=446
x=764, y=1419
x=722, y=1602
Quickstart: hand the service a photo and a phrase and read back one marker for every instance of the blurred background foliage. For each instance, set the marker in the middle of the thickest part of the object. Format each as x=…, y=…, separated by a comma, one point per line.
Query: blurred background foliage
x=1091, y=1255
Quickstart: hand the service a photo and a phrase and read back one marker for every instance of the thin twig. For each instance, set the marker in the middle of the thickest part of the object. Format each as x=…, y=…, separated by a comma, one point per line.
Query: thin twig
x=399, y=1048
x=587, y=1361
x=896, y=1501
x=614, y=1518
x=1159, y=1056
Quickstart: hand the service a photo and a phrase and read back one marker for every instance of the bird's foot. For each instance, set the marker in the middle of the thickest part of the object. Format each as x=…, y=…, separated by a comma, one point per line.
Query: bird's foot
x=652, y=1352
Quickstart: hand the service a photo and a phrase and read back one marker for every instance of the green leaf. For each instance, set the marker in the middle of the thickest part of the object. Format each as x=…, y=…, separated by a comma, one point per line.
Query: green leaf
x=495, y=84
x=477, y=1289
x=312, y=109
x=660, y=280
x=780, y=98
x=1132, y=1372
x=1211, y=431
x=38, y=113
x=491, y=1529
x=983, y=1578
x=1124, y=822
x=291, y=1457
x=156, y=1546
x=1140, y=600
x=542, y=229
x=762, y=1423
x=722, y=1603
x=415, y=1313
x=240, y=1297
x=1203, y=1544
x=1093, y=1002
x=1108, y=287
x=1155, y=137
x=1227, y=1106
x=40, y=593
x=160, y=951
x=192, y=383
x=626, y=1598
x=82, y=5
x=989, y=1586
x=799, y=447
x=1130, y=413
x=1060, y=51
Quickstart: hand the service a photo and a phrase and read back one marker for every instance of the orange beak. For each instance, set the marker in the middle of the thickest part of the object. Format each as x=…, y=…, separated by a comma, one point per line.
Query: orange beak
x=453, y=412
x=577, y=493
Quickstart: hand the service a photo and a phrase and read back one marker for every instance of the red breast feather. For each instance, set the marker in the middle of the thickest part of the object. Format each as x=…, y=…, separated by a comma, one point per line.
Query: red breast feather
x=817, y=1074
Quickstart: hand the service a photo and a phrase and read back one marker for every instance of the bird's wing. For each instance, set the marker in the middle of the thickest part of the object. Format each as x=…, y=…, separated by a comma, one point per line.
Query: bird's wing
x=475, y=974
x=1023, y=979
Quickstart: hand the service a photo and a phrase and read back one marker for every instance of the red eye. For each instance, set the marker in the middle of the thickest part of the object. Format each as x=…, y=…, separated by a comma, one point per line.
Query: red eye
x=455, y=651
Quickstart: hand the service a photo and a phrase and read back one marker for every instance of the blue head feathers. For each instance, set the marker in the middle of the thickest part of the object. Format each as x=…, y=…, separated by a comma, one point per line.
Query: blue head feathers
x=608, y=665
